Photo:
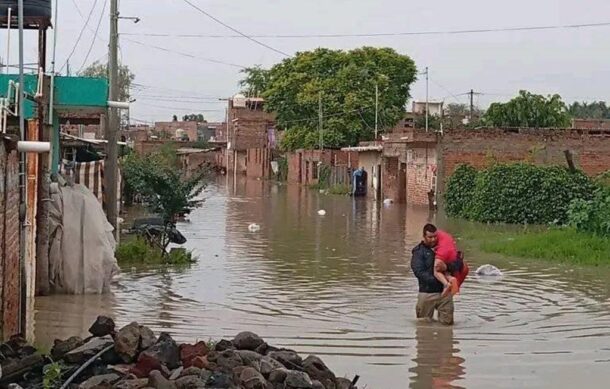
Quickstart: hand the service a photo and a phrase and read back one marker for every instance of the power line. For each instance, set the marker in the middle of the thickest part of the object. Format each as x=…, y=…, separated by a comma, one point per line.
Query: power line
x=382, y=34
x=80, y=35
x=184, y=54
x=235, y=30
x=182, y=109
x=95, y=36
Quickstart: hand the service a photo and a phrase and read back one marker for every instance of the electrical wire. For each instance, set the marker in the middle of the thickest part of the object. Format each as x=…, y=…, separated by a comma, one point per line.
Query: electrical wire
x=384, y=34
x=95, y=36
x=235, y=30
x=80, y=35
x=184, y=54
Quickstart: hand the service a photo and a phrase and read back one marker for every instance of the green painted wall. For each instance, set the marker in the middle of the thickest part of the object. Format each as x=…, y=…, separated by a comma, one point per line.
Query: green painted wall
x=70, y=92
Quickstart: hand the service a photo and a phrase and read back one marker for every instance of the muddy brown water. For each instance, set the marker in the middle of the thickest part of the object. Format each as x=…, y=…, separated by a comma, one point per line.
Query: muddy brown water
x=340, y=287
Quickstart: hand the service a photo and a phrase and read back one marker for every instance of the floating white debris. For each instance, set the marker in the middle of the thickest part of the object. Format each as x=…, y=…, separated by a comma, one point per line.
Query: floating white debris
x=321, y=212
x=388, y=201
x=489, y=271
x=254, y=227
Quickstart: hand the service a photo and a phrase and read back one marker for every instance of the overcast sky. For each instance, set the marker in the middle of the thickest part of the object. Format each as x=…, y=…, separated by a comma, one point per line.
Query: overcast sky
x=572, y=62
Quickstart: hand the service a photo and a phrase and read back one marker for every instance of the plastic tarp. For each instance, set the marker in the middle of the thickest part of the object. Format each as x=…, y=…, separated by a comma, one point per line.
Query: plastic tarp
x=81, y=252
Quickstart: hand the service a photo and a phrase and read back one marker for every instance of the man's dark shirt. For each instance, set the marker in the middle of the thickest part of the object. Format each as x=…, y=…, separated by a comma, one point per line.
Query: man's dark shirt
x=422, y=264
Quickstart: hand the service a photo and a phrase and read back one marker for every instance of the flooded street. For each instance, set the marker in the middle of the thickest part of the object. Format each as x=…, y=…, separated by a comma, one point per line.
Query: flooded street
x=340, y=287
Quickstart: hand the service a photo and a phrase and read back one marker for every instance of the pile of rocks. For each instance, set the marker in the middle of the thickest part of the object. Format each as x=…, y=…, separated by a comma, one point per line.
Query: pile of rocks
x=134, y=358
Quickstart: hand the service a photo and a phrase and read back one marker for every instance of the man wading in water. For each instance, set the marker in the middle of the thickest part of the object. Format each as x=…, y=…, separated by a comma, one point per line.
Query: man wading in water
x=431, y=289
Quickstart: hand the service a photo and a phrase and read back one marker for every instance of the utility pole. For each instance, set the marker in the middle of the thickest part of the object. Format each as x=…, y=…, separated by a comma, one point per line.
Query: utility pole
x=320, y=121
x=471, y=94
x=427, y=98
x=376, y=111
x=111, y=170
x=471, y=103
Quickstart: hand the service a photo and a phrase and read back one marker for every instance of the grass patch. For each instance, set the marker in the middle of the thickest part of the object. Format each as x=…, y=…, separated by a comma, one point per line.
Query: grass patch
x=557, y=244
x=137, y=251
x=339, y=189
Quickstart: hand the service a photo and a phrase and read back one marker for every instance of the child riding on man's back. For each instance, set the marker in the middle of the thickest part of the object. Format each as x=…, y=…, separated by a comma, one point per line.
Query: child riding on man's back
x=446, y=252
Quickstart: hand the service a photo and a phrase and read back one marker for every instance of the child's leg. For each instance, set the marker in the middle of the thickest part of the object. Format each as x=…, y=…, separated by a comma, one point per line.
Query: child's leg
x=439, y=272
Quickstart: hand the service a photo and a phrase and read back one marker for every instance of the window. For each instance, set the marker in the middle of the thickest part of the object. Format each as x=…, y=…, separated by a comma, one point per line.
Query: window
x=314, y=173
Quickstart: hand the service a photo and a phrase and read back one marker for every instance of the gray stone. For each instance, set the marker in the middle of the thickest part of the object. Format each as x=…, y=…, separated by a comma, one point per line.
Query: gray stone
x=127, y=342
x=252, y=379
x=317, y=370
x=288, y=358
x=95, y=381
x=176, y=373
x=81, y=354
x=133, y=384
x=344, y=383
x=228, y=360
x=315, y=384
x=165, y=351
x=219, y=380
x=268, y=364
x=158, y=381
x=298, y=380
x=224, y=345
x=190, y=382
x=102, y=326
x=61, y=347
x=247, y=341
x=147, y=338
x=191, y=371
x=278, y=376
x=249, y=357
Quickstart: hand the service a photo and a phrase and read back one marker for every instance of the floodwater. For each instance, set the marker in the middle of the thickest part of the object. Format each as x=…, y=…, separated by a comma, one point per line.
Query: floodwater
x=340, y=286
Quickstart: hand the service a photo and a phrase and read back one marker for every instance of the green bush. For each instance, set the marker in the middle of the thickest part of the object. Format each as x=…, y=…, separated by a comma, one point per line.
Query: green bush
x=593, y=215
x=460, y=188
x=138, y=251
x=521, y=194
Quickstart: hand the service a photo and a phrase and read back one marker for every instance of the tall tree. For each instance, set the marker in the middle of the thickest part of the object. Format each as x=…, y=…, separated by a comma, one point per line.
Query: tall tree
x=193, y=118
x=255, y=81
x=529, y=110
x=126, y=77
x=593, y=110
x=344, y=82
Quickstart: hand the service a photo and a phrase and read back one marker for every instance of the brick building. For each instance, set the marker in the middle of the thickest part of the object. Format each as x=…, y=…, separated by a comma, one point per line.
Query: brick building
x=250, y=137
x=303, y=165
x=176, y=130
x=370, y=159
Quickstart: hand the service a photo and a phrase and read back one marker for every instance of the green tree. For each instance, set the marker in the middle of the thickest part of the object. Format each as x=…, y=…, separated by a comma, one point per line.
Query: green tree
x=345, y=83
x=167, y=190
x=255, y=81
x=594, y=110
x=529, y=110
x=193, y=118
x=126, y=77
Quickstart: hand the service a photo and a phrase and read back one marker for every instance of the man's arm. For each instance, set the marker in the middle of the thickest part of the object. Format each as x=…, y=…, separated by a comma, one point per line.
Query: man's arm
x=418, y=265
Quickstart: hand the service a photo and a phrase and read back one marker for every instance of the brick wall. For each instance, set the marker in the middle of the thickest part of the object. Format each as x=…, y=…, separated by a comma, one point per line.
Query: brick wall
x=9, y=245
x=421, y=172
x=169, y=129
x=249, y=126
x=390, y=181
x=590, y=148
x=294, y=167
x=259, y=163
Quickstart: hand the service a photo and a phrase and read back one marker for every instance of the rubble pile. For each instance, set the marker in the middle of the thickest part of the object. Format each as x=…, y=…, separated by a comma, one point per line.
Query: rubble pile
x=135, y=358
